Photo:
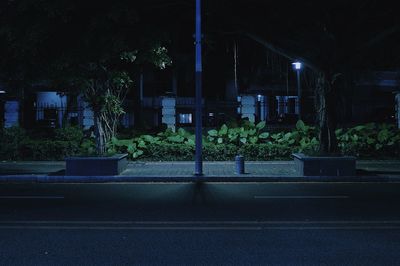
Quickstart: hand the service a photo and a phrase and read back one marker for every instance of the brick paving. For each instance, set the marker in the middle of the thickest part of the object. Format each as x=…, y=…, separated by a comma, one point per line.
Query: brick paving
x=283, y=168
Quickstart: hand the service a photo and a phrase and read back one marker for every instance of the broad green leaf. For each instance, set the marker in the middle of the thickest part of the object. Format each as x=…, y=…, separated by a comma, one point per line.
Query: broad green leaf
x=223, y=131
x=383, y=135
x=114, y=140
x=176, y=139
x=190, y=142
x=137, y=153
x=142, y=144
x=300, y=125
x=148, y=138
x=233, y=137
x=252, y=132
x=359, y=128
x=275, y=136
x=287, y=136
x=213, y=133
x=132, y=148
x=182, y=132
x=253, y=140
x=260, y=125
x=244, y=134
x=264, y=135
x=338, y=131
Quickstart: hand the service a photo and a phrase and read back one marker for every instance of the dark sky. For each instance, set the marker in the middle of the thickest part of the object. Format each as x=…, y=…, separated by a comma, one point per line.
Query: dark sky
x=356, y=34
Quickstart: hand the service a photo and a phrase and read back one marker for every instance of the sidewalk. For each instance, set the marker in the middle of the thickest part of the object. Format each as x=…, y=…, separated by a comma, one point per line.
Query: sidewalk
x=277, y=171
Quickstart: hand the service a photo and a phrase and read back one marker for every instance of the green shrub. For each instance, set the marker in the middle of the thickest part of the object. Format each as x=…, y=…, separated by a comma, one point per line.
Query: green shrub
x=249, y=140
x=370, y=140
x=247, y=133
x=69, y=133
x=17, y=145
x=87, y=147
x=265, y=152
x=48, y=150
x=169, y=152
x=10, y=143
x=219, y=152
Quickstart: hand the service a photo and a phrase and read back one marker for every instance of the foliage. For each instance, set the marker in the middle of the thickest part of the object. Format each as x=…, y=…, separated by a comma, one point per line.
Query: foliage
x=48, y=149
x=17, y=144
x=219, y=152
x=220, y=144
x=266, y=151
x=10, y=142
x=137, y=146
x=69, y=133
x=87, y=147
x=370, y=140
x=169, y=152
x=247, y=133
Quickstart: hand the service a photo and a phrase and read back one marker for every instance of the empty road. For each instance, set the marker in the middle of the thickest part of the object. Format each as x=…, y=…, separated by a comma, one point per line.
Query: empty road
x=205, y=223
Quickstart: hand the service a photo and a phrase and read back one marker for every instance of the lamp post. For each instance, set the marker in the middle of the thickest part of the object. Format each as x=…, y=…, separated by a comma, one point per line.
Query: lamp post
x=198, y=80
x=298, y=66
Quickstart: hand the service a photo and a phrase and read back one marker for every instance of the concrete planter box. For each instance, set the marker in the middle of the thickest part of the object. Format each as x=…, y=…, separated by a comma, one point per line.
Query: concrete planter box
x=324, y=166
x=96, y=166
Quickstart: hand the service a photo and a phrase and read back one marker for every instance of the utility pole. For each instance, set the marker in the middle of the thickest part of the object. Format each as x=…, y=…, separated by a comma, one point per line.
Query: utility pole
x=198, y=87
x=299, y=92
x=298, y=66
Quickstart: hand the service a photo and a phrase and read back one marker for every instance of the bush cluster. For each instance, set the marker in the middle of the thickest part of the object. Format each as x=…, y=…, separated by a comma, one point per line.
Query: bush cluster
x=369, y=140
x=247, y=139
x=17, y=144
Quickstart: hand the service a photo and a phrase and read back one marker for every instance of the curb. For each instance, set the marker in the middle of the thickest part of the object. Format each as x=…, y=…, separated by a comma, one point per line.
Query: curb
x=192, y=178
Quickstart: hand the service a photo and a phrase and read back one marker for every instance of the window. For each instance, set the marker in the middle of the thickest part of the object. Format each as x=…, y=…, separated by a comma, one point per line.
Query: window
x=185, y=118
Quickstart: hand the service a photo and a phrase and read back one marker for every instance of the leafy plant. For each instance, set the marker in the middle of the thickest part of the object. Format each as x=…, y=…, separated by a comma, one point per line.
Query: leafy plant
x=369, y=140
x=69, y=133
x=247, y=133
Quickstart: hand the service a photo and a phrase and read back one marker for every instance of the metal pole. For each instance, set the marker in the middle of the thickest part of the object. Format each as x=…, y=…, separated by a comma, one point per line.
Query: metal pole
x=198, y=69
x=299, y=93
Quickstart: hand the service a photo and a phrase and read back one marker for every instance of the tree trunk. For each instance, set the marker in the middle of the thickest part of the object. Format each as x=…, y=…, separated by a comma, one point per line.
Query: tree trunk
x=326, y=113
x=99, y=133
x=137, y=103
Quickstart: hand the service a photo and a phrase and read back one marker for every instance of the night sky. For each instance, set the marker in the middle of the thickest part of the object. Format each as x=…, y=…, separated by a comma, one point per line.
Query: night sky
x=41, y=39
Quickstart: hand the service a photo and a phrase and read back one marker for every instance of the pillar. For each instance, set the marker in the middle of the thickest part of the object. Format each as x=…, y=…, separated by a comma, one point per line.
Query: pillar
x=169, y=112
x=11, y=114
x=248, y=107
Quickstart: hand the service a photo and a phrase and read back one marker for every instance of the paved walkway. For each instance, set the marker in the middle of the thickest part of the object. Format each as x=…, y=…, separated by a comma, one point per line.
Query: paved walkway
x=183, y=171
x=273, y=168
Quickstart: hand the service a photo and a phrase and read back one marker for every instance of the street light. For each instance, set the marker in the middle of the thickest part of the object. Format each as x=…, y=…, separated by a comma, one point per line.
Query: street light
x=2, y=92
x=198, y=77
x=298, y=66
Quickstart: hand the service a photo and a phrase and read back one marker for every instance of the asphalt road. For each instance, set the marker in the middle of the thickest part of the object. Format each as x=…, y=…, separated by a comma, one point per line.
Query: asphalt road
x=202, y=224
